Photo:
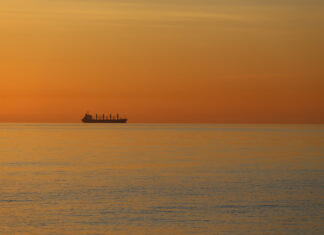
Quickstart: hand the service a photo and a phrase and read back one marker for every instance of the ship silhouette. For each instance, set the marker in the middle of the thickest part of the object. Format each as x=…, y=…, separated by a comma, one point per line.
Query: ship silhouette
x=103, y=119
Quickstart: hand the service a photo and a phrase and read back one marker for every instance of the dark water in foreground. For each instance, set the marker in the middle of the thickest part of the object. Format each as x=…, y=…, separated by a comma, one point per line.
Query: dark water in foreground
x=161, y=179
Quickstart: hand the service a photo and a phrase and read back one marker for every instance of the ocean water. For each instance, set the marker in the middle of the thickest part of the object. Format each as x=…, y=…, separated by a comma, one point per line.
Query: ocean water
x=161, y=179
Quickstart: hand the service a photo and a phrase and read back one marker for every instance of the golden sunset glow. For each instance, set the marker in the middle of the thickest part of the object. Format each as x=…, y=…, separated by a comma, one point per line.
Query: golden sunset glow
x=162, y=61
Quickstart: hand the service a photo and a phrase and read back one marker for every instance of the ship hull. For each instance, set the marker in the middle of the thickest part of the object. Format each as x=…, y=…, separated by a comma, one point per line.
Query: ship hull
x=105, y=121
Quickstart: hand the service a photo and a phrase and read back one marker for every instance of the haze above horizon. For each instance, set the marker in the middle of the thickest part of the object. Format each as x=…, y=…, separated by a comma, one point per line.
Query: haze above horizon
x=162, y=61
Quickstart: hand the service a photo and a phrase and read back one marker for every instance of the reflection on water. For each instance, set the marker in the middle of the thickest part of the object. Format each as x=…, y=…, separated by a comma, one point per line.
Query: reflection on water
x=161, y=179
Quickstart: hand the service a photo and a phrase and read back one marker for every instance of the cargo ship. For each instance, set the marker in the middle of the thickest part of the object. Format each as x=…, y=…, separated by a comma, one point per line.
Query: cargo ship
x=103, y=119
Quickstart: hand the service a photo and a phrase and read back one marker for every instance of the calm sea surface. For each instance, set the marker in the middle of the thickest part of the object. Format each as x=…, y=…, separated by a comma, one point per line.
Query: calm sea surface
x=161, y=179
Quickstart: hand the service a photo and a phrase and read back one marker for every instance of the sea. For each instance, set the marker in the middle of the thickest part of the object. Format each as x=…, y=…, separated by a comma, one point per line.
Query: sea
x=161, y=179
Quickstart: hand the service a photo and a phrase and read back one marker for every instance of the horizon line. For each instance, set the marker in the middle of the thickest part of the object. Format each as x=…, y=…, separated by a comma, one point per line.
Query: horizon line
x=219, y=123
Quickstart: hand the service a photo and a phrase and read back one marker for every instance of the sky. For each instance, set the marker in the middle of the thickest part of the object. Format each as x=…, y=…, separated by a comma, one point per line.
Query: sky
x=191, y=61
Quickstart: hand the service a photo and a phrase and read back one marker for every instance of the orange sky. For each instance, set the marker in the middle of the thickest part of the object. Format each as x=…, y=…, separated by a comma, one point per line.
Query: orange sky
x=162, y=60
